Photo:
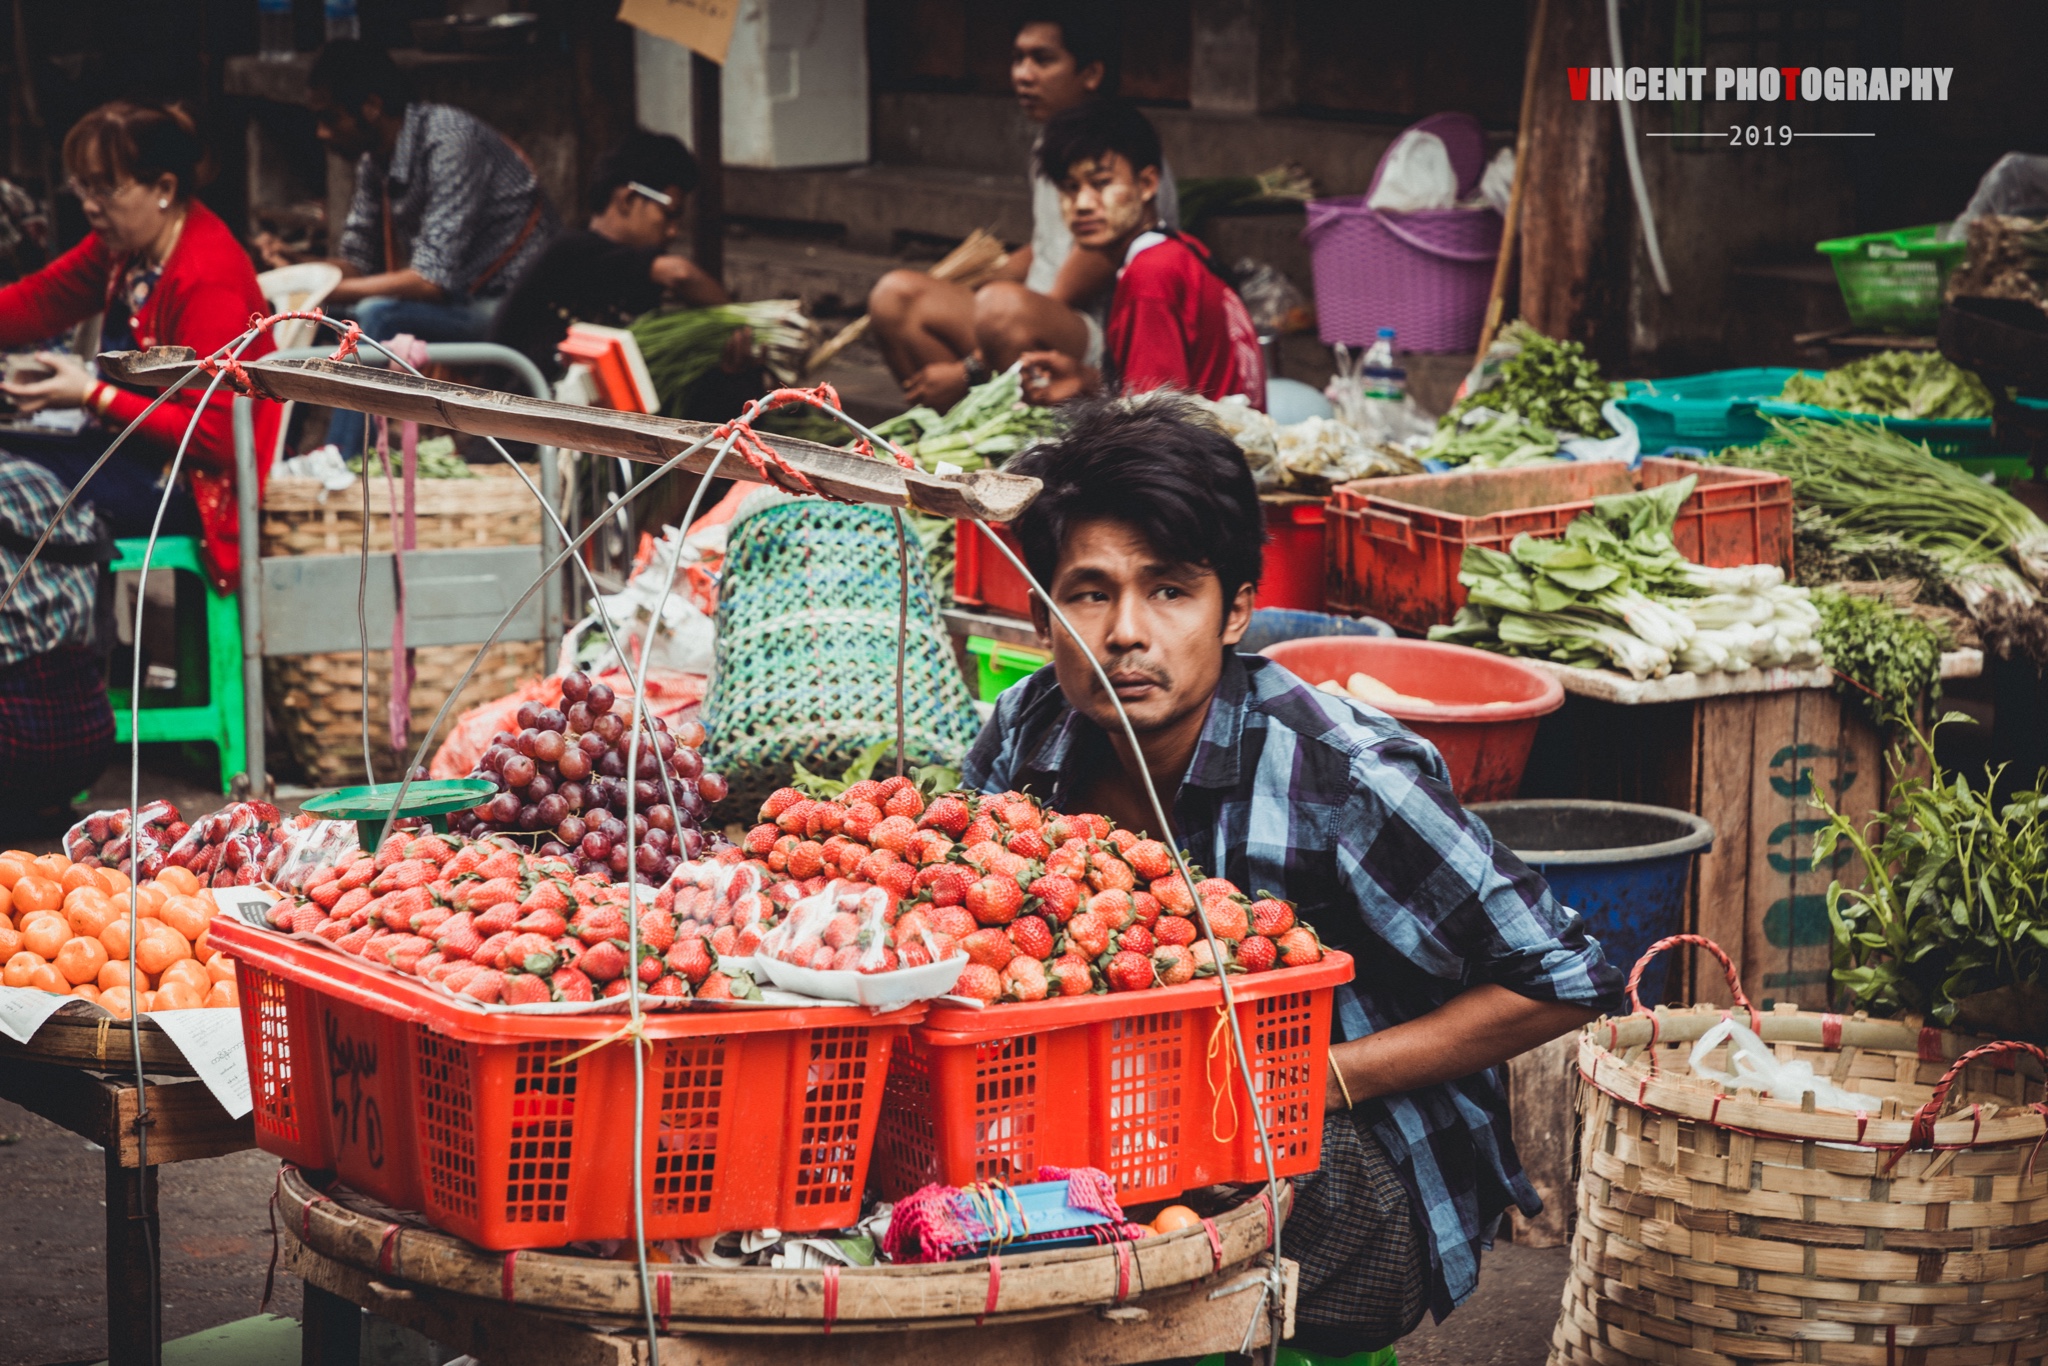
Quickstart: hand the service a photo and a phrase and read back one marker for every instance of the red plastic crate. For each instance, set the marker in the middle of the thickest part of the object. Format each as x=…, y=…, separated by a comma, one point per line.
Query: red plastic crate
x=1395, y=544
x=983, y=579
x=753, y=1118
x=1123, y=1082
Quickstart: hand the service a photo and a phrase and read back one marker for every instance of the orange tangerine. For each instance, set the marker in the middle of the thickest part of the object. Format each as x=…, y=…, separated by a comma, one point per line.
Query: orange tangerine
x=6, y=921
x=6, y=901
x=14, y=866
x=202, y=947
x=115, y=935
x=86, y=991
x=20, y=967
x=160, y=948
x=223, y=994
x=88, y=911
x=115, y=972
x=44, y=934
x=113, y=881
x=179, y=995
x=190, y=971
x=10, y=942
x=185, y=915
x=181, y=881
x=220, y=967
x=149, y=899
x=122, y=1001
x=52, y=866
x=47, y=978
x=76, y=876
x=1174, y=1217
x=38, y=893
x=81, y=959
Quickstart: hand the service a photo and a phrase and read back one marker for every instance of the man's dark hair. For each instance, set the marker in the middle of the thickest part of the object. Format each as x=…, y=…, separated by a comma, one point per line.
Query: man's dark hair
x=1092, y=130
x=351, y=71
x=1089, y=33
x=655, y=160
x=1158, y=468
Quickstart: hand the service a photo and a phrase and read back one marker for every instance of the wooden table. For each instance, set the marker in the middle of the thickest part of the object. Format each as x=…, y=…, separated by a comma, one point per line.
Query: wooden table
x=185, y=1123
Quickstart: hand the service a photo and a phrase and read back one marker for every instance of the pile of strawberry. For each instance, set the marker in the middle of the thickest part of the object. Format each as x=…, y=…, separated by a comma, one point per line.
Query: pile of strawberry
x=498, y=925
x=1042, y=904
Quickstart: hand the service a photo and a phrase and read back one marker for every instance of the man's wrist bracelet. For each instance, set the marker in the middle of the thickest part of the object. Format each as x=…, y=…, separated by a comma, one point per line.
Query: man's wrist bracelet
x=976, y=368
x=1338, y=1073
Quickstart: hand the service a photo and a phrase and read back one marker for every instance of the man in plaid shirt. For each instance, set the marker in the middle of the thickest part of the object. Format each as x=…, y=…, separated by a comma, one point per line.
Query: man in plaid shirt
x=1147, y=535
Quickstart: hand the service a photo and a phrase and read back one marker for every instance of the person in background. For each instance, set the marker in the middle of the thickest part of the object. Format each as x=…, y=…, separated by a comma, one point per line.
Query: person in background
x=166, y=272
x=447, y=213
x=940, y=338
x=56, y=729
x=617, y=268
x=1174, y=321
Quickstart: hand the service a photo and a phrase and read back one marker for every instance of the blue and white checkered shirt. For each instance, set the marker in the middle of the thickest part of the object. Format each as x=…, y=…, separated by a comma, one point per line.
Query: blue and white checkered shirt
x=1340, y=809
x=53, y=606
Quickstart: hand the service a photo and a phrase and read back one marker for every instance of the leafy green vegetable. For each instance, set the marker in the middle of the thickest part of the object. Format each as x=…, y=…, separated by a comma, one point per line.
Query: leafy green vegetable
x=686, y=344
x=1889, y=661
x=1486, y=440
x=1915, y=384
x=1548, y=383
x=931, y=779
x=1954, y=894
x=989, y=425
x=437, y=460
x=1822, y=553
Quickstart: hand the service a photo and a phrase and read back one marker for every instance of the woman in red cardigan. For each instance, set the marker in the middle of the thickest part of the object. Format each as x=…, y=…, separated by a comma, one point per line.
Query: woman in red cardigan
x=166, y=272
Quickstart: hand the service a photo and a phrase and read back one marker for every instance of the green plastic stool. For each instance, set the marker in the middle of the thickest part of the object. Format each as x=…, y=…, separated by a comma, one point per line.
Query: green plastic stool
x=212, y=714
x=1289, y=1357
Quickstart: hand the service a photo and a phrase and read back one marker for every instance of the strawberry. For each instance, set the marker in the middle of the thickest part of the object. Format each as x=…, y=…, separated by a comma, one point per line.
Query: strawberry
x=1128, y=972
x=979, y=982
x=460, y=976
x=444, y=969
x=614, y=990
x=669, y=987
x=350, y=901
x=722, y=987
x=1028, y=844
x=908, y=929
x=504, y=863
x=807, y=859
x=531, y=953
x=1174, y=929
x=885, y=961
x=595, y=923
x=949, y=813
x=867, y=791
x=1088, y=935
x=893, y=834
x=761, y=838
x=603, y=961
x=1032, y=937
x=1115, y=907
x=482, y=895
x=797, y=818
x=545, y=896
x=1071, y=976
x=850, y=857
x=724, y=940
x=465, y=861
x=570, y=984
x=1024, y=979
x=928, y=846
x=1227, y=919
x=995, y=900
x=1150, y=859
x=435, y=849
x=1256, y=953
x=1173, y=893
x=325, y=895
x=657, y=930
x=841, y=930
x=359, y=874
x=497, y=919
x=355, y=941
x=1137, y=939
x=649, y=970
x=690, y=959
x=331, y=930
x=896, y=879
x=1058, y=896
x=525, y=989
x=1299, y=947
x=393, y=851
x=547, y=924
x=306, y=919
x=824, y=818
x=951, y=920
x=1110, y=874
x=904, y=802
x=981, y=830
x=488, y=986
x=407, y=872
x=430, y=921
x=991, y=947
x=1271, y=917
x=1122, y=839
x=1174, y=964
x=947, y=883
x=406, y=952
x=779, y=801
x=861, y=820
x=1146, y=907
x=749, y=940
x=1209, y=888
x=944, y=946
x=915, y=955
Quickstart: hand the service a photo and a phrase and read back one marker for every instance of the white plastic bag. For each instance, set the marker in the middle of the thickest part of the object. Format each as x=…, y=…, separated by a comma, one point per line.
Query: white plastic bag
x=1758, y=1069
x=1415, y=176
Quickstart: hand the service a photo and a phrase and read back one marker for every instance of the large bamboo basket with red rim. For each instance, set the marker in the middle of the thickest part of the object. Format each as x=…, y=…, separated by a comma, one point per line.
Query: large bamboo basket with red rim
x=1723, y=1229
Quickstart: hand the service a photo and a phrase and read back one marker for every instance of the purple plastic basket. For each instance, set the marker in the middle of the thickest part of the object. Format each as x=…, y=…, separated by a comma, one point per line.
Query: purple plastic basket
x=1426, y=275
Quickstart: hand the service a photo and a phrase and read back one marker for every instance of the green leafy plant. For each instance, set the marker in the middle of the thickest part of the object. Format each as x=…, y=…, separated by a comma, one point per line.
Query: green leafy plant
x=1550, y=383
x=1954, y=895
x=931, y=779
x=1887, y=661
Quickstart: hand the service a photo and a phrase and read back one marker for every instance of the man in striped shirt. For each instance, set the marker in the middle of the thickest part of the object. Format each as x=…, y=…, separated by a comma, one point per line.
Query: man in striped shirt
x=1147, y=535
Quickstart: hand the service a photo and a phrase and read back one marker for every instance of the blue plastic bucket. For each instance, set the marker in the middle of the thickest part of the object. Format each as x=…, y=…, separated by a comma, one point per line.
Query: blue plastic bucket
x=1621, y=866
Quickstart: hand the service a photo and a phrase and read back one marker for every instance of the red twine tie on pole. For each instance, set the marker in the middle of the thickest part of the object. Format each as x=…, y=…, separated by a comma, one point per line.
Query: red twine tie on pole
x=387, y=1254
x=995, y=1284
x=1123, y=1272
x=661, y=1300
x=831, y=1298
x=1215, y=1244
x=505, y=1287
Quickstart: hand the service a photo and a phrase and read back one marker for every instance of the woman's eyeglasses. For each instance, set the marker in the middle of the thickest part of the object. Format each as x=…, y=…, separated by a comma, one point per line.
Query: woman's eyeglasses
x=94, y=191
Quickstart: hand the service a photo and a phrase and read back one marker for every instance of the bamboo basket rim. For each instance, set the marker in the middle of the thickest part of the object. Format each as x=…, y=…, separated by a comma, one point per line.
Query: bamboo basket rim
x=495, y=490
x=1029, y=1285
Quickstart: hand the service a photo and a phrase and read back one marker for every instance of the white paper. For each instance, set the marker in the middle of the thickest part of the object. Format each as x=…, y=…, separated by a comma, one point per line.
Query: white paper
x=23, y=1010
x=249, y=905
x=211, y=1040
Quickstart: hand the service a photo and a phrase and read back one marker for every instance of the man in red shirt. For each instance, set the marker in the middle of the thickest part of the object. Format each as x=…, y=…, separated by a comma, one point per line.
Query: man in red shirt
x=1174, y=320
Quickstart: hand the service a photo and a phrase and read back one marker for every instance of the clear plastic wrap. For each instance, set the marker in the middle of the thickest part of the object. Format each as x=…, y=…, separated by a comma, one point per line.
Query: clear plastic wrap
x=845, y=928
x=103, y=839
x=228, y=848
x=307, y=846
x=708, y=895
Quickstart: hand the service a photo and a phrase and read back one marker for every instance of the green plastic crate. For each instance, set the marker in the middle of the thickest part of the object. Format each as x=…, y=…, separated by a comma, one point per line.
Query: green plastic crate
x=998, y=666
x=1892, y=280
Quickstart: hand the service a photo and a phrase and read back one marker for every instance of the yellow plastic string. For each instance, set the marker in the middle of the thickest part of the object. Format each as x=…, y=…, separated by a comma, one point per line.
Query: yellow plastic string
x=1221, y=1091
x=631, y=1029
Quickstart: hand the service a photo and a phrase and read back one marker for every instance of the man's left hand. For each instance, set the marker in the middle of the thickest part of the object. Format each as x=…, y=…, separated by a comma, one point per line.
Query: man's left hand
x=65, y=389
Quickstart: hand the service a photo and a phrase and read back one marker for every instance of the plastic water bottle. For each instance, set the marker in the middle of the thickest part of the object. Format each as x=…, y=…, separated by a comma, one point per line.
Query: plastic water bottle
x=274, y=39
x=342, y=21
x=1384, y=379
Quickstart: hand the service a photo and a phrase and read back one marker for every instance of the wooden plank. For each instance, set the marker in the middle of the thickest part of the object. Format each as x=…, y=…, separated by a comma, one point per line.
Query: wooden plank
x=67, y=1097
x=79, y=1037
x=189, y=1123
x=988, y=494
x=1540, y=1098
x=1723, y=741
x=452, y=597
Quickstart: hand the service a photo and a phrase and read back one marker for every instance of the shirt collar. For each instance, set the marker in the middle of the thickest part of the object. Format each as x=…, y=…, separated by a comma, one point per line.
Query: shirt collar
x=1140, y=244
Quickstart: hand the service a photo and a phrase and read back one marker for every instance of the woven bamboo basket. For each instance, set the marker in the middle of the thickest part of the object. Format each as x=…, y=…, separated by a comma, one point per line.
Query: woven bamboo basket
x=316, y=700
x=1724, y=1230
x=303, y=517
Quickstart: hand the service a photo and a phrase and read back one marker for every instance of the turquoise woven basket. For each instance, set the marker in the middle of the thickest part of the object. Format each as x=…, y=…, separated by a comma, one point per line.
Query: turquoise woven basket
x=806, y=654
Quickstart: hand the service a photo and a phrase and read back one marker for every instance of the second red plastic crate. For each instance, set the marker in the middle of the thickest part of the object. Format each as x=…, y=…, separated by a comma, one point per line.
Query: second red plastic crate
x=1395, y=545
x=488, y=1126
x=1142, y=1085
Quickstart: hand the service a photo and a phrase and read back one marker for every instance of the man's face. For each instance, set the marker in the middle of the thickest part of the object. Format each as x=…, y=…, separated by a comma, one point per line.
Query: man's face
x=342, y=131
x=1044, y=75
x=647, y=223
x=1158, y=628
x=1105, y=201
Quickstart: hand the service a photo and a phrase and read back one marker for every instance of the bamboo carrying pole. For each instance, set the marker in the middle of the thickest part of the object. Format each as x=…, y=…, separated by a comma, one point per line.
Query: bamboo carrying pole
x=1504, y=265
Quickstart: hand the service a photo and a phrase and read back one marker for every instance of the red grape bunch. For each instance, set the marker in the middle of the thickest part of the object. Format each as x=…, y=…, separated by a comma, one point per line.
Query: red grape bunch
x=564, y=775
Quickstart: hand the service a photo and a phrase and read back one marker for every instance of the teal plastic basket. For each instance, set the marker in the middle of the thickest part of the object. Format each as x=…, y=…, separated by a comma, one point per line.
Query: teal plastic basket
x=1892, y=280
x=1705, y=412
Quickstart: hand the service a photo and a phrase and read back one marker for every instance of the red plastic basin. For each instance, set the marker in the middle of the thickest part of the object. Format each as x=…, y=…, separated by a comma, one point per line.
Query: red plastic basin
x=1486, y=747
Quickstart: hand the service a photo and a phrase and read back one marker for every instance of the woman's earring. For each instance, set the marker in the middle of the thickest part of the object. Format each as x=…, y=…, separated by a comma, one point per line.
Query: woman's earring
x=163, y=203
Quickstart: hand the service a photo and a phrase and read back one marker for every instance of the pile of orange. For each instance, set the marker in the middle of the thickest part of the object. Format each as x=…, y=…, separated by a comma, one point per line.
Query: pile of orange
x=64, y=929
